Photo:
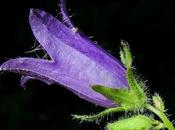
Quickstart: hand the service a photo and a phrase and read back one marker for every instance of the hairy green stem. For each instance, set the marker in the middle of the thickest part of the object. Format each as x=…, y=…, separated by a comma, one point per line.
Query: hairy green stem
x=99, y=115
x=162, y=116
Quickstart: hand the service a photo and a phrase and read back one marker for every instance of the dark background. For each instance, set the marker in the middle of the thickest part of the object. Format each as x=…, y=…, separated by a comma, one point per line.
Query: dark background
x=148, y=26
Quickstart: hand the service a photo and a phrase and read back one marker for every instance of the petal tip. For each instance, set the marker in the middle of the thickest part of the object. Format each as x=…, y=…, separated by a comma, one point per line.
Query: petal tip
x=32, y=11
x=36, y=12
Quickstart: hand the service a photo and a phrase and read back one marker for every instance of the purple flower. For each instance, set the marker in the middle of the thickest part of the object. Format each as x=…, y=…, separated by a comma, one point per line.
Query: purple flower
x=76, y=62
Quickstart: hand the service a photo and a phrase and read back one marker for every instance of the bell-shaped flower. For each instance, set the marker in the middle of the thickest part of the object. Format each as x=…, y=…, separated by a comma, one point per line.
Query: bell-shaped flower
x=76, y=62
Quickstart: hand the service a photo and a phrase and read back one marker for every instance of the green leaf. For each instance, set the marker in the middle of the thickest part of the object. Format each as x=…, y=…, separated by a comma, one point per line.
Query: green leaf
x=139, y=122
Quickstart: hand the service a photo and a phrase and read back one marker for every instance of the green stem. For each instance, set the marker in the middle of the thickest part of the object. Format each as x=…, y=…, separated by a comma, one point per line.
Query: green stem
x=99, y=115
x=162, y=116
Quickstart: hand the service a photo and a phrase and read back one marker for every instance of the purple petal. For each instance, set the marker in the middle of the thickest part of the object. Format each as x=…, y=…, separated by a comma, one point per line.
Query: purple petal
x=87, y=62
x=65, y=16
x=31, y=67
x=76, y=62
x=25, y=79
x=44, y=24
x=45, y=71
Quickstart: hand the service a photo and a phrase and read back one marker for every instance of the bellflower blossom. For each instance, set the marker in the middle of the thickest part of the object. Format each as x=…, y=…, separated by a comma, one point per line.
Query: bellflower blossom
x=76, y=62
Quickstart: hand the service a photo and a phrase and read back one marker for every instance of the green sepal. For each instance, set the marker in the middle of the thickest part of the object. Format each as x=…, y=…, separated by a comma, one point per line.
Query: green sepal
x=136, y=87
x=123, y=97
x=139, y=122
x=125, y=55
x=158, y=102
x=126, y=58
x=132, y=98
